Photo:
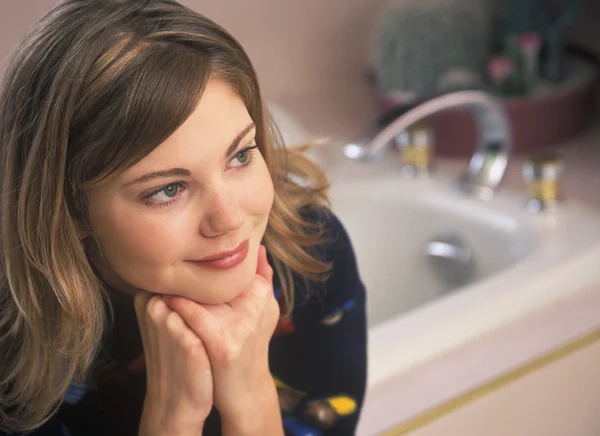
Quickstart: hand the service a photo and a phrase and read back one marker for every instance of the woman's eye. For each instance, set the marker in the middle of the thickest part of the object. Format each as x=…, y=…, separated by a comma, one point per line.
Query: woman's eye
x=242, y=157
x=165, y=194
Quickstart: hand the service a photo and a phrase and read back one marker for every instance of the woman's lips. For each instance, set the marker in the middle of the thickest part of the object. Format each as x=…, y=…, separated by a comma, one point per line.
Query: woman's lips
x=227, y=260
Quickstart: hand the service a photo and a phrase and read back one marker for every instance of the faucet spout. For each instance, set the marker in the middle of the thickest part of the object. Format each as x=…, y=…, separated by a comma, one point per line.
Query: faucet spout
x=486, y=167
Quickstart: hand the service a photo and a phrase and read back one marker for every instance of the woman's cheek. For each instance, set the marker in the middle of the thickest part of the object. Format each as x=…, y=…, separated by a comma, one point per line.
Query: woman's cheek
x=146, y=238
x=263, y=190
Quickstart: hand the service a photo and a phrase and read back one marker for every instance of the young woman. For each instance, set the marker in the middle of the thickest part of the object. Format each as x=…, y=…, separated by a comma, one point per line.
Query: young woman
x=164, y=272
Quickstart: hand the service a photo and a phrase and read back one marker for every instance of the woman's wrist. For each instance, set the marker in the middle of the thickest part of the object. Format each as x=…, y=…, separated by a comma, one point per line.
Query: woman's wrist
x=255, y=413
x=172, y=428
x=155, y=422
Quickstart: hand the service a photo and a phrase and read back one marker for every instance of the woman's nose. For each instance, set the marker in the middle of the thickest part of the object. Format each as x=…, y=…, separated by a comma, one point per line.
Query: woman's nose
x=223, y=215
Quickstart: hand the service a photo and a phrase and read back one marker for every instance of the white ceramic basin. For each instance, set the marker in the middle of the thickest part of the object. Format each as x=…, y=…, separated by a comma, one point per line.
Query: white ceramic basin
x=523, y=261
x=392, y=221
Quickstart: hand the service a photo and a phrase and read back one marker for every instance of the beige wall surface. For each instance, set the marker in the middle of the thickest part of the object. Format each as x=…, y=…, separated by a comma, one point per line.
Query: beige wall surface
x=294, y=45
x=310, y=56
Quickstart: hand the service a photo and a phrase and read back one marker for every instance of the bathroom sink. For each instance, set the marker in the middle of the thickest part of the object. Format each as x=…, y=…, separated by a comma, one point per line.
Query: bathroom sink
x=393, y=221
x=521, y=261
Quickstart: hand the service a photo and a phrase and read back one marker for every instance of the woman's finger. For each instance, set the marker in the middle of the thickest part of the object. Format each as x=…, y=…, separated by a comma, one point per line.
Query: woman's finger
x=198, y=318
x=182, y=333
x=140, y=301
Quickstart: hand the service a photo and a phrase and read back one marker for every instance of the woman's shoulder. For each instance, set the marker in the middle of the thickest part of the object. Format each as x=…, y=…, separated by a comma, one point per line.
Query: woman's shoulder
x=343, y=288
x=335, y=237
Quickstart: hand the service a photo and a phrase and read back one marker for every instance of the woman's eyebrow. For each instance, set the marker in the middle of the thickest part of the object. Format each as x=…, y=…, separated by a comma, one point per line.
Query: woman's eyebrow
x=182, y=172
x=236, y=141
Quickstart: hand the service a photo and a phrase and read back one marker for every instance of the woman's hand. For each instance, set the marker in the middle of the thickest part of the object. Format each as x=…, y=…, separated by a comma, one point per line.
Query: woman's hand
x=179, y=393
x=236, y=336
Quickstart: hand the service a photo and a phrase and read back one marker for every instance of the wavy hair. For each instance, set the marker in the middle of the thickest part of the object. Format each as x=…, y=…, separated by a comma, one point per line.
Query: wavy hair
x=94, y=87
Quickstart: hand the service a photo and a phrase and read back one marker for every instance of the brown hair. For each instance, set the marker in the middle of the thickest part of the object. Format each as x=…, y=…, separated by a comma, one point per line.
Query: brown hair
x=96, y=86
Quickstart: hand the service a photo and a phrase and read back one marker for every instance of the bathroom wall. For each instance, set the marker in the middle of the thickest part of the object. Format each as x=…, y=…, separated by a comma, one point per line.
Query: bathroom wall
x=297, y=46
x=310, y=56
x=15, y=18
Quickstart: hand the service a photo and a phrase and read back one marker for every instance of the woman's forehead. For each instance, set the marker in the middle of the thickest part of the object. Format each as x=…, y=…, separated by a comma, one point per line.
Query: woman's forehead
x=219, y=120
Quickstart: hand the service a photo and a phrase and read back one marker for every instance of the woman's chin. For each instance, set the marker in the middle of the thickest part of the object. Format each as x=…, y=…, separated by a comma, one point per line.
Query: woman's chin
x=221, y=292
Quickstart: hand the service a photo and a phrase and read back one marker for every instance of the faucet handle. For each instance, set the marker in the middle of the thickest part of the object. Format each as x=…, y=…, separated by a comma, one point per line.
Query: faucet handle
x=543, y=174
x=416, y=146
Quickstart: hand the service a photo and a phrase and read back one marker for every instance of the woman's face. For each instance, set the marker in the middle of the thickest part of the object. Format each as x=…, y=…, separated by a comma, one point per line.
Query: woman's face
x=201, y=194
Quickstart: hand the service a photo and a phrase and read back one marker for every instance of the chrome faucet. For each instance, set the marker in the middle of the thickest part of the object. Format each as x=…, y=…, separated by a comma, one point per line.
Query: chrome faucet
x=486, y=167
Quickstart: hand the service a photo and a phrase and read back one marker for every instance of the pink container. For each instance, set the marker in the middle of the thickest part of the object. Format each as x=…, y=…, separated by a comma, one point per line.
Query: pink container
x=542, y=120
